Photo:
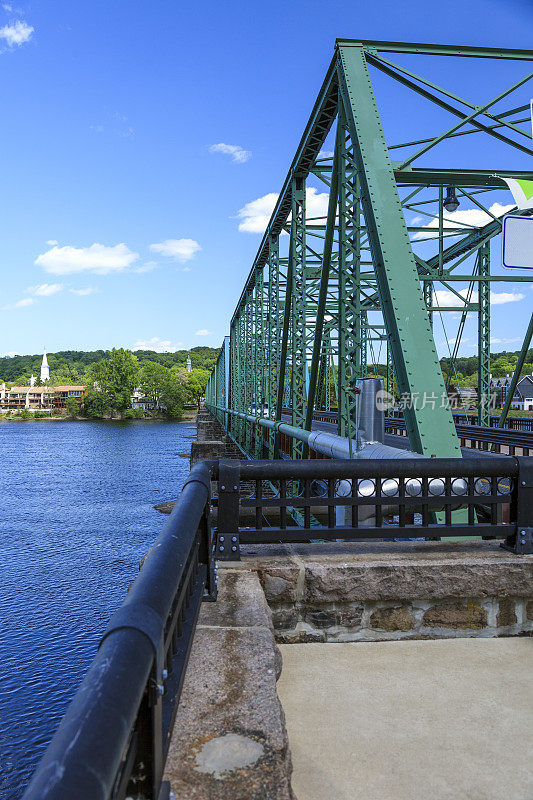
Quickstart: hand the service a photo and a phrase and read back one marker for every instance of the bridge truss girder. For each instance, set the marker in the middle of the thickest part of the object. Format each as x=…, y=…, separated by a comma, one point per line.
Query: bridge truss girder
x=304, y=318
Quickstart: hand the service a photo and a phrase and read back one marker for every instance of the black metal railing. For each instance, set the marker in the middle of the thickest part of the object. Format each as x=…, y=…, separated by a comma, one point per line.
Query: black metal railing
x=113, y=740
x=379, y=499
x=519, y=441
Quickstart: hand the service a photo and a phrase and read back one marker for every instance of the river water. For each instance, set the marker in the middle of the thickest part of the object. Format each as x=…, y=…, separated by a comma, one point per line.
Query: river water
x=76, y=517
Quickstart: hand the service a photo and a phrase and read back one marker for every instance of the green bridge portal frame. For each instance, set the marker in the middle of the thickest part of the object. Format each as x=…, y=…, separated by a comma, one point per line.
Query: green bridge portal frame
x=317, y=301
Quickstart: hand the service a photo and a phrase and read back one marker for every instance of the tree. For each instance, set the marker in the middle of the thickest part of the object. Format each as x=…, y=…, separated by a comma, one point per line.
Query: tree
x=116, y=378
x=153, y=381
x=196, y=383
x=74, y=406
x=96, y=404
x=65, y=375
x=173, y=397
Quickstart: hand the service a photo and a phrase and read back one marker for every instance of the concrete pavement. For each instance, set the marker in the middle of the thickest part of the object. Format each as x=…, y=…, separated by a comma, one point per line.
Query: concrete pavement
x=410, y=720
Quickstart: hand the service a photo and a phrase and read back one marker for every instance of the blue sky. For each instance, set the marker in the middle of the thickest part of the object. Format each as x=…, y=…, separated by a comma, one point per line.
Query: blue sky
x=121, y=224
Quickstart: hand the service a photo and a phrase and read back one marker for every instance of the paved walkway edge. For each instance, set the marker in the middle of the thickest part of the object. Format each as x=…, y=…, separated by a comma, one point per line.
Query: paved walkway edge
x=230, y=740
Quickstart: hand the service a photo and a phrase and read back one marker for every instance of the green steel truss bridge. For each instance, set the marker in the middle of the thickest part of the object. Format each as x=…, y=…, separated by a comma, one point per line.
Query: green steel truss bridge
x=328, y=294
x=321, y=294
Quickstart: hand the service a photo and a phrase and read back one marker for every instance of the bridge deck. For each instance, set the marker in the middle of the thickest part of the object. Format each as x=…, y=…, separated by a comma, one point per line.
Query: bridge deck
x=409, y=720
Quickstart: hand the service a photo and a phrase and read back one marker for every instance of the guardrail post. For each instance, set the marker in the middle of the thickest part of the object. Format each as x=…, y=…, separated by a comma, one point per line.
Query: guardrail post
x=206, y=555
x=524, y=507
x=227, y=540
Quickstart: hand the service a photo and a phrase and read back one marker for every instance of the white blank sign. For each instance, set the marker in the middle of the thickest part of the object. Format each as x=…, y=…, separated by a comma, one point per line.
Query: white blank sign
x=517, y=242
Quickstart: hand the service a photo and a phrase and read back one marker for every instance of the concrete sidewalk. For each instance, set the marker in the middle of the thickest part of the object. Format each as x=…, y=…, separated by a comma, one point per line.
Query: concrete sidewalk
x=410, y=720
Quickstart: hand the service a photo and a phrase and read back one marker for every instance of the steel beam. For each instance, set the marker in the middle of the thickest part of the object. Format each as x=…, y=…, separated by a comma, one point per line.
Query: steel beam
x=438, y=49
x=431, y=430
x=483, y=392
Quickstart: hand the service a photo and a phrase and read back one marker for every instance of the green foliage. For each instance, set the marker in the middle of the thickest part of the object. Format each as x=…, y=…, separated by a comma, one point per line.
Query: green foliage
x=73, y=366
x=153, y=381
x=133, y=413
x=196, y=383
x=95, y=404
x=173, y=397
x=74, y=408
x=116, y=378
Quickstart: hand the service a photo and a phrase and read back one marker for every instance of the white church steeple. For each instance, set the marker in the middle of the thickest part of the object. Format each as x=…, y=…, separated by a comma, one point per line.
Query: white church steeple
x=45, y=372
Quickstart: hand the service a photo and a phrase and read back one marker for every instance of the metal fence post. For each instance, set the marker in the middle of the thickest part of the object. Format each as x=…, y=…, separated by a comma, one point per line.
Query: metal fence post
x=524, y=507
x=229, y=482
x=206, y=555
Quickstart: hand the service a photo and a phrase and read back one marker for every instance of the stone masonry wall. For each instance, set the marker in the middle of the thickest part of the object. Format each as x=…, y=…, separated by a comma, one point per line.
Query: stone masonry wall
x=478, y=590
x=212, y=441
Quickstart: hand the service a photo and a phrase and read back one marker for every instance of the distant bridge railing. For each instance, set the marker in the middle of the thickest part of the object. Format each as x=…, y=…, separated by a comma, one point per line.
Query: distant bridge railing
x=515, y=438
x=113, y=740
x=480, y=437
x=511, y=423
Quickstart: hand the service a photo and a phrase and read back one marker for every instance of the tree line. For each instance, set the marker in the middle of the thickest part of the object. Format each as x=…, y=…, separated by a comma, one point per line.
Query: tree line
x=111, y=382
x=111, y=377
x=71, y=366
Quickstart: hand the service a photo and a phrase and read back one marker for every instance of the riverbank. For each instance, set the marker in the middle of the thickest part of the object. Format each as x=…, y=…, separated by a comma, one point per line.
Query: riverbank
x=188, y=415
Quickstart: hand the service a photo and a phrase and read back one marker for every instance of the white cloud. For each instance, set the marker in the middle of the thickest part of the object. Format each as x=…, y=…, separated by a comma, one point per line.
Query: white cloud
x=326, y=154
x=443, y=297
x=316, y=203
x=85, y=292
x=177, y=249
x=203, y=332
x=499, y=298
x=16, y=34
x=505, y=341
x=97, y=258
x=52, y=242
x=238, y=154
x=45, y=289
x=148, y=266
x=456, y=219
x=158, y=345
x=26, y=301
x=256, y=214
x=9, y=354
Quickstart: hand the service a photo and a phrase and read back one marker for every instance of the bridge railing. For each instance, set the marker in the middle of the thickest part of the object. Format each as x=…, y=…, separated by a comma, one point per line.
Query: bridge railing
x=497, y=440
x=511, y=423
x=373, y=499
x=114, y=737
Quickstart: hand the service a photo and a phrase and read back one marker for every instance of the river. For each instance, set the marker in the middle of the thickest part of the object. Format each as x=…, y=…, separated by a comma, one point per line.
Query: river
x=76, y=517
